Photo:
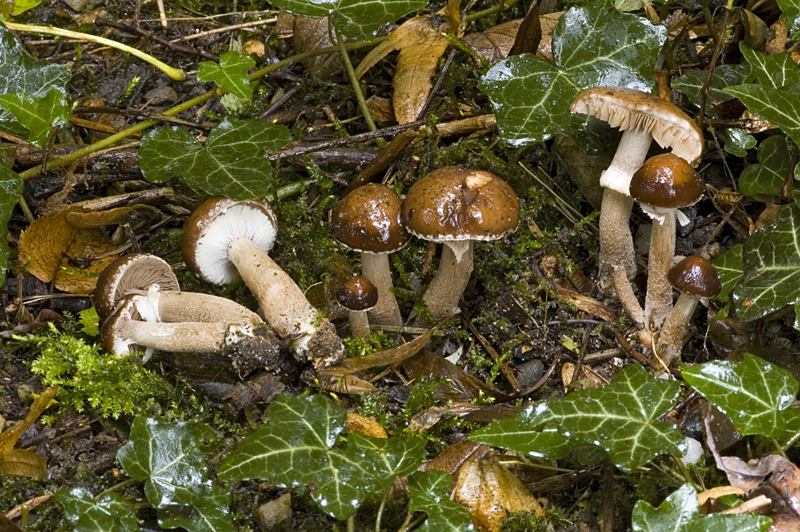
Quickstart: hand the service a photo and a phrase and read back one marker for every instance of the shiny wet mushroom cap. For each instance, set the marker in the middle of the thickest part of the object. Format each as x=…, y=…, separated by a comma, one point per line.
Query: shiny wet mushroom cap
x=133, y=273
x=358, y=295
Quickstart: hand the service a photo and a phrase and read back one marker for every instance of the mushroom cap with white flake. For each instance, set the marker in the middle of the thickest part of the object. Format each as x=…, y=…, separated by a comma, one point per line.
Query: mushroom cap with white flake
x=631, y=109
x=133, y=273
x=214, y=224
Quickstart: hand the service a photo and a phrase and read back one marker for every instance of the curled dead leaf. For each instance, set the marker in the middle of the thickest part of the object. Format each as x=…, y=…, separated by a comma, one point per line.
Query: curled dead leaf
x=21, y=462
x=365, y=425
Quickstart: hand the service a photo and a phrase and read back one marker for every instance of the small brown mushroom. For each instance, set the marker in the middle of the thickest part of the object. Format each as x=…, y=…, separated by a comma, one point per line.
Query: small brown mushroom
x=358, y=295
x=663, y=185
x=696, y=279
x=368, y=220
x=642, y=117
x=225, y=238
x=456, y=206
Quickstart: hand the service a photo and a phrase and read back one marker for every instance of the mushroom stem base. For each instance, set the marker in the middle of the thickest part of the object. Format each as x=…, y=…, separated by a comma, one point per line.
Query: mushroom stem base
x=670, y=341
x=658, y=301
x=445, y=290
x=375, y=267
x=616, y=242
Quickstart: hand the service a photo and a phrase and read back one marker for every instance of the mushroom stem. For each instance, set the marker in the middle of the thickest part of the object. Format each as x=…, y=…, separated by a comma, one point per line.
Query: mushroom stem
x=186, y=337
x=658, y=301
x=191, y=306
x=672, y=334
x=359, y=323
x=445, y=290
x=616, y=241
x=624, y=290
x=375, y=267
x=285, y=306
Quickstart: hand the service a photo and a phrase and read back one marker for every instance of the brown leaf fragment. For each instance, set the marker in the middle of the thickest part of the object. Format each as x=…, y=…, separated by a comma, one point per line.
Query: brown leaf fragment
x=423, y=421
x=87, y=255
x=452, y=458
x=780, y=34
x=365, y=425
x=463, y=386
x=389, y=356
x=421, y=44
x=716, y=493
x=21, y=462
x=490, y=492
x=42, y=319
x=314, y=34
x=7, y=525
x=341, y=380
x=530, y=32
x=494, y=44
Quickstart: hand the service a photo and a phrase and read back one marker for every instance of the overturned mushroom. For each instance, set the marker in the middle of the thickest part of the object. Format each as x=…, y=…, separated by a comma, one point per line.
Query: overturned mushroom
x=225, y=238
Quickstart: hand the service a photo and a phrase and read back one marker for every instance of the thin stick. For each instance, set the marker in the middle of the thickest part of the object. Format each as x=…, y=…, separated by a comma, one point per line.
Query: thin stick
x=174, y=73
x=162, y=13
x=241, y=26
x=135, y=30
x=362, y=103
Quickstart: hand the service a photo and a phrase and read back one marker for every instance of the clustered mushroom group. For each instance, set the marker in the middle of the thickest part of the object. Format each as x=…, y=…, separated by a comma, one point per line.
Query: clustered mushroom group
x=139, y=299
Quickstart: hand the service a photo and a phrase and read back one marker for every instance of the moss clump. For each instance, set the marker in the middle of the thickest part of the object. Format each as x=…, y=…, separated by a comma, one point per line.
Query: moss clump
x=113, y=384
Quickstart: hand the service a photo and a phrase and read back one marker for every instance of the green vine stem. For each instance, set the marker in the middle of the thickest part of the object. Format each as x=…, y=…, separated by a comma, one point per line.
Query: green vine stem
x=362, y=103
x=174, y=73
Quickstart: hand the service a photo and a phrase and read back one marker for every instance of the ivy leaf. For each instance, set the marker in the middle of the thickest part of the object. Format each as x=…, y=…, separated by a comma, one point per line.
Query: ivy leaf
x=770, y=70
x=168, y=459
x=791, y=14
x=680, y=512
x=691, y=84
x=737, y=142
x=771, y=267
x=108, y=512
x=356, y=19
x=19, y=72
x=767, y=177
x=20, y=6
x=427, y=491
x=302, y=432
x=232, y=163
x=752, y=393
x=230, y=74
x=10, y=191
x=728, y=266
x=621, y=418
x=592, y=46
x=38, y=114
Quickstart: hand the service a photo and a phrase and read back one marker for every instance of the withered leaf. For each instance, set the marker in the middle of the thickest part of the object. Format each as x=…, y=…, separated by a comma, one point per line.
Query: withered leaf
x=491, y=492
x=313, y=34
x=21, y=462
x=421, y=44
x=494, y=44
x=365, y=425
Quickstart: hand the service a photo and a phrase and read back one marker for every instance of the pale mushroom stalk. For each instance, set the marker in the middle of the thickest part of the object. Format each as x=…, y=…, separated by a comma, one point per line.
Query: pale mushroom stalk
x=455, y=269
x=191, y=306
x=624, y=290
x=185, y=337
x=284, y=305
x=375, y=267
x=658, y=300
x=673, y=332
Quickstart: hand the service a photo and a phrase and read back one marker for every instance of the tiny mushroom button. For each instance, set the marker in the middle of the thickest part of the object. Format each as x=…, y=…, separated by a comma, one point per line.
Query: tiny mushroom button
x=368, y=220
x=456, y=206
x=663, y=185
x=642, y=117
x=224, y=238
x=696, y=279
x=358, y=295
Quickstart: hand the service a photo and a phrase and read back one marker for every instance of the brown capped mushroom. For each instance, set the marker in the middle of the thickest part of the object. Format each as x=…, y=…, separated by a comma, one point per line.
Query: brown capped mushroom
x=456, y=206
x=663, y=185
x=696, y=279
x=225, y=238
x=368, y=220
x=151, y=277
x=642, y=117
x=358, y=295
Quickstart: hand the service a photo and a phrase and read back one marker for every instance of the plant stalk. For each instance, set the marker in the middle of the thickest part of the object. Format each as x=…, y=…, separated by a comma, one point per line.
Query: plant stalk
x=362, y=103
x=174, y=73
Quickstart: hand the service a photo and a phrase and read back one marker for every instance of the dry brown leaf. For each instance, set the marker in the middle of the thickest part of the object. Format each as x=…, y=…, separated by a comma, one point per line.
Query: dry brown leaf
x=21, y=462
x=452, y=458
x=421, y=44
x=86, y=249
x=463, y=386
x=341, y=380
x=41, y=245
x=490, y=492
x=494, y=44
x=716, y=493
x=365, y=425
x=313, y=34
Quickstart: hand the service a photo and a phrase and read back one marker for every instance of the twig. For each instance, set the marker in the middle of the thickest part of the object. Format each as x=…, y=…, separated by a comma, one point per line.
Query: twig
x=162, y=13
x=241, y=26
x=348, y=65
x=160, y=40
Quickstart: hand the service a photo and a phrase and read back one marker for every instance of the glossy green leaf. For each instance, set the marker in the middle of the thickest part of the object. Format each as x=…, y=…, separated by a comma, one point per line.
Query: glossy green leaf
x=737, y=142
x=770, y=70
x=427, y=491
x=752, y=393
x=19, y=72
x=768, y=175
x=592, y=46
x=10, y=191
x=168, y=459
x=728, y=266
x=302, y=432
x=791, y=14
x=691, y=84
x=38, y=114
x=680, y=512
x=230, y=74
x=355, y=19
x=108, y=512
x=232, y=163
x=771, y=267
x=20, y=6
x=621, y=418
